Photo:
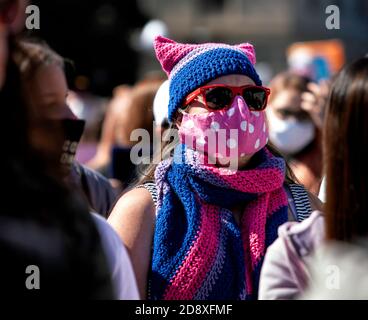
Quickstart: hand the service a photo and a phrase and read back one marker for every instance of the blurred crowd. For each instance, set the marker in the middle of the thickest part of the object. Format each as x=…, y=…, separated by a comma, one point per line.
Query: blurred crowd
x=100, y=223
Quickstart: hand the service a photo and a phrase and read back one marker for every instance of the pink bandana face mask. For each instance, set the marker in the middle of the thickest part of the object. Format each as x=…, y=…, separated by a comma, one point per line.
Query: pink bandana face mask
x=225, y=134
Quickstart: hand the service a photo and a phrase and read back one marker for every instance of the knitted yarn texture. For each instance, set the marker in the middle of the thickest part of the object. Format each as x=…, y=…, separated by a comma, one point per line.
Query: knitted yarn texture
x=199, y=250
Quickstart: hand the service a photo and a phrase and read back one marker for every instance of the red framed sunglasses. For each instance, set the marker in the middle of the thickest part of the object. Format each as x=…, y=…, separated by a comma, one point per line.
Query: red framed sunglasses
x=220, y=96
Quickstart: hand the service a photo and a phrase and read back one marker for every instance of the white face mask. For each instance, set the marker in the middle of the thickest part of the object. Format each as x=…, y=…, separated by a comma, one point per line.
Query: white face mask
x=290, y=136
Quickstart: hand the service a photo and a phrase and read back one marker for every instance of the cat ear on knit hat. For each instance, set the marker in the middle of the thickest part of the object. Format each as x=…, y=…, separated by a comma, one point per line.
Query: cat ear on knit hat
x=169, y=52
x=248, y=49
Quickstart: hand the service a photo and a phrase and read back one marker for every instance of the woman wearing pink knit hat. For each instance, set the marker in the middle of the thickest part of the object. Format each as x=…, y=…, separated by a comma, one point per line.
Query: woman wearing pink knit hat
x=199, y=223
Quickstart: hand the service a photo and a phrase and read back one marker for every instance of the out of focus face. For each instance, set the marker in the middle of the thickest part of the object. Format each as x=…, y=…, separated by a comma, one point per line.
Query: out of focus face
x=291, y=129
x=47, y=93
x=286, y=105
x=56, y=131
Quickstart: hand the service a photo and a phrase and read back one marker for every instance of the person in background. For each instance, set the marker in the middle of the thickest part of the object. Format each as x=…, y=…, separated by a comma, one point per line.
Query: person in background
x=137, y=115
x=295, y=128
x=102, y=159
x=41, y=223
x=198, y=224
x=45, y=90
x=297, y=264
x=115, y=139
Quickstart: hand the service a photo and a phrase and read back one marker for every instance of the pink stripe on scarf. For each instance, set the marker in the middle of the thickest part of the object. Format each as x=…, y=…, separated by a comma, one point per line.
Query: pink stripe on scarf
x=253, y=235
x=277, y=200
x=253, y=229
x=201, y=256
x=271, y=178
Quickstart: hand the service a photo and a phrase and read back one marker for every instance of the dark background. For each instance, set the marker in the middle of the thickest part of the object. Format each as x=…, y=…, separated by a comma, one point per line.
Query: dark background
x=94, y=34
x=98, y=35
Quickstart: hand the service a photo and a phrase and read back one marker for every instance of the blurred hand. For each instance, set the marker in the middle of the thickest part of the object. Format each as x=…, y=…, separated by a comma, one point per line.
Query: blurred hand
x=314, y=102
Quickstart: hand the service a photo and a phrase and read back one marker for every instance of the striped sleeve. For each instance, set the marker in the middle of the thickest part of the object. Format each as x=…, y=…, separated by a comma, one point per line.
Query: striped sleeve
x=301, y=201
x=150, y=186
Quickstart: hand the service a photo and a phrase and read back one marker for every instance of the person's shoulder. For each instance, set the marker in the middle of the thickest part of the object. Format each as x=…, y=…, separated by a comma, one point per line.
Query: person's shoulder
x=305, y=235
x=294, y=228
x=134, y=218
x=285, y=270
x=90, y=173
x=139, y=198
x=135, y=205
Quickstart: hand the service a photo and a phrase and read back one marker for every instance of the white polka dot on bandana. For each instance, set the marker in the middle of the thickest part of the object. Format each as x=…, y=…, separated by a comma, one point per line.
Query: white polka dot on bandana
x=243, y=125
x=242, y=155
x=251, y=128
x=256, y=113
x=215, y=126
x=231, y=143
x=231, y=112
x=189, y=124
x=258, y=142
x=201, y=141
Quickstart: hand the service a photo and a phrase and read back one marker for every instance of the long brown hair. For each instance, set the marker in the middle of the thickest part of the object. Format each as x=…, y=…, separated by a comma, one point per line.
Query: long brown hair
x=345, y=140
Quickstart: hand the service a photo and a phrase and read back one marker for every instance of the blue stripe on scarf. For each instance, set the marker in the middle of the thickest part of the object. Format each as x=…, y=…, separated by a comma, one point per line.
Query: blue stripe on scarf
x=231, y=281
x=224, y=197
x=181, y=225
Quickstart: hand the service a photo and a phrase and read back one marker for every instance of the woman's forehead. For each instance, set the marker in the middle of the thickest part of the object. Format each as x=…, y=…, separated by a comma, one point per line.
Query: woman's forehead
x=233, y=80
x=289, y=99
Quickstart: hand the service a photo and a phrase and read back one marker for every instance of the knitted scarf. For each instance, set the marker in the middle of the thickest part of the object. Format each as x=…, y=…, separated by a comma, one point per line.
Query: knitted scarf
x=199, y=250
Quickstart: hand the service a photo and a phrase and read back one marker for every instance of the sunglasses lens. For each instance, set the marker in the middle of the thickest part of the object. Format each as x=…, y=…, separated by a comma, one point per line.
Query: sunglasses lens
x=218, y=98
x=255, y=98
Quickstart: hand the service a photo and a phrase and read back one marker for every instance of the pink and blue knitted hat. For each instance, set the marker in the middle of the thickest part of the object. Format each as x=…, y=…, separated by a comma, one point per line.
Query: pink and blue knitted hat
x=190, y=66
